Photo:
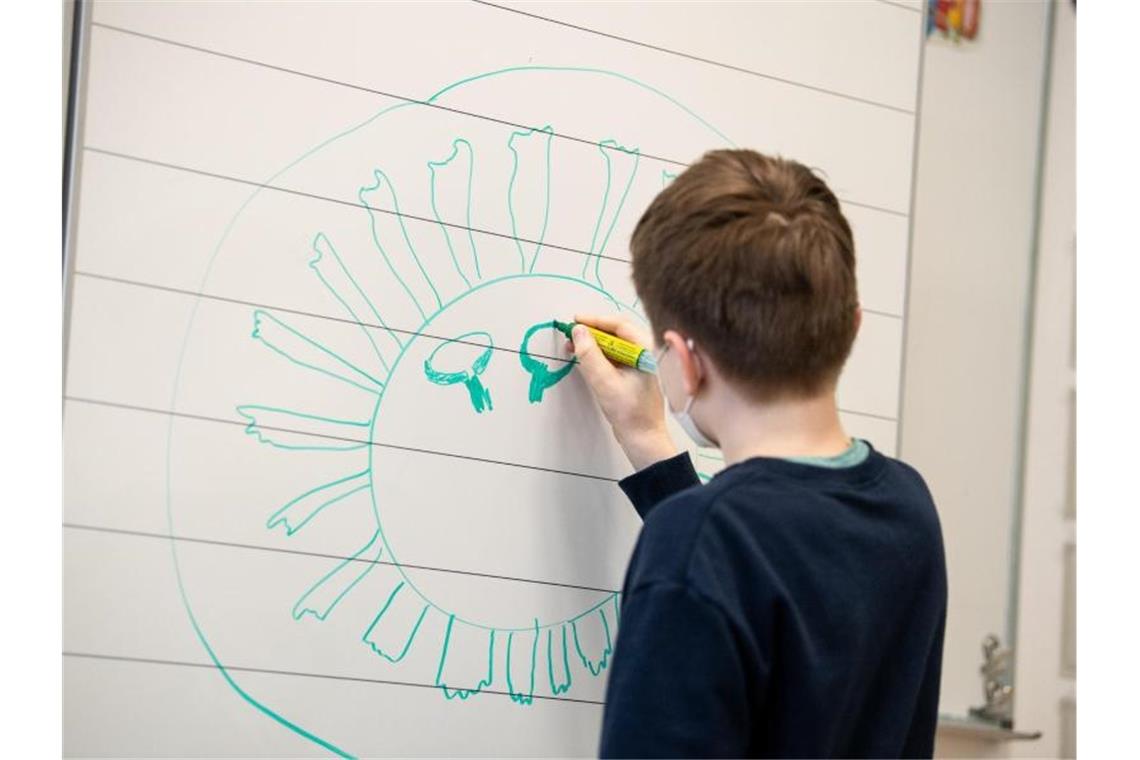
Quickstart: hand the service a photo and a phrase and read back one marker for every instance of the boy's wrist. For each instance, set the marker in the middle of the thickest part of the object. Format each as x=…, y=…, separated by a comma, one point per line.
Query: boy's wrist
x=644, y=448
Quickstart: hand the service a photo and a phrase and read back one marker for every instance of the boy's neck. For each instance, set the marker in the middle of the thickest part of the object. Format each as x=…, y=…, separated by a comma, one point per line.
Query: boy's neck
x=785, y=428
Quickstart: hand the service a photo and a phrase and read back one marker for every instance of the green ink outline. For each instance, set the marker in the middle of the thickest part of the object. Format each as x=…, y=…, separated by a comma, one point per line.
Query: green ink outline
x=595, y=250
x=275, y=715
x=604, y=659
x=479, y=395
x=281, y=518
x=261, y=315
x=380, y=400
x=435, y=210
x=541, y=378
x=463, y=694
x=380, y=614
x=548, y=131
x=254, y=429
x=318, y=259
x=306, y=609
x=519, y=697
x=382, y=180
x=565, y=687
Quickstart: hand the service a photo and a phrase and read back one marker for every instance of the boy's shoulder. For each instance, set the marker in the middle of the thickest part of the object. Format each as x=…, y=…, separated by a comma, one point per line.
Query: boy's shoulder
x=758, y=510
x=682, y=527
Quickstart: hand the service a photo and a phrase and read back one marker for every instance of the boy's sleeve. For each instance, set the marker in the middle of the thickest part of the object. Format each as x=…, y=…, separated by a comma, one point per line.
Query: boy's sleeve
x=924, y=723
x=649, y=487
x=677, y=688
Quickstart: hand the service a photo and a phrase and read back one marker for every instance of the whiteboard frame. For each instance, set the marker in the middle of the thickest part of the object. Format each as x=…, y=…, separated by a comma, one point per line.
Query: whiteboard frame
x=76, y=83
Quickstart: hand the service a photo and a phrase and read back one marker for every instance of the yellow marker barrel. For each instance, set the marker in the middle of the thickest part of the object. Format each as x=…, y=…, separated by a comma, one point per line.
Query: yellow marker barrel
x=618, y=350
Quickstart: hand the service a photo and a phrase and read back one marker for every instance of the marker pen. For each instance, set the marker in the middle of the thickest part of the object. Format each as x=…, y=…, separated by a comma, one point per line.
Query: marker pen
x=617, y=350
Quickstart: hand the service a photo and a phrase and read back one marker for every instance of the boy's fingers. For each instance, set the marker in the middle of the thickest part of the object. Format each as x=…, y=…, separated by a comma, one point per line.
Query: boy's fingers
x=618, y=326
x=591, y=363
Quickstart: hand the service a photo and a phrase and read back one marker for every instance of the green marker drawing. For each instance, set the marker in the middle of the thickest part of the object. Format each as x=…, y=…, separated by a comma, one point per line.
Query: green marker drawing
x=612, y=203
x=460, y=346
x=463, y=156
x=541, y=376
x=424, y=260
x=539, y=141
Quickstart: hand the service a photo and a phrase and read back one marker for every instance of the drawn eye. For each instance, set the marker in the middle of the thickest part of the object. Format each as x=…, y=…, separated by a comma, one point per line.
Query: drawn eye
x=545, y=371
x=462, y=360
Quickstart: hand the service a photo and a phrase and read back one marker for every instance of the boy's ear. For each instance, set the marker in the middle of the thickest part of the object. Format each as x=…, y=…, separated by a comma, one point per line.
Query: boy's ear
x=691, y=363
x=858, y=318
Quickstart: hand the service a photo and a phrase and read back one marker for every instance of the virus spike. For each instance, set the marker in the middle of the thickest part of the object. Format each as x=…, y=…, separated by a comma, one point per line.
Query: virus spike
x=391, y=238
x=287, y=429
x=451, y=181
x=461, y=672
x=621, y=168
x=304, y=351
x=558, y=660
x=593, y=633
x=522, y=658
x=338, y=280
x=395, y=626
x=301, y=509
x=529, y=218
x=323, y=596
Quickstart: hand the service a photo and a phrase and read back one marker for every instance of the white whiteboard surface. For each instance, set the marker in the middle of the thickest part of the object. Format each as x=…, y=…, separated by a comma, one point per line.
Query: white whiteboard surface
x=316, y=500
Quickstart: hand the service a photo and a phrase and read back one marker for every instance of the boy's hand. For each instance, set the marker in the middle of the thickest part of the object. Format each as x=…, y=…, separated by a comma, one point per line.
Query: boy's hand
x=631, y=400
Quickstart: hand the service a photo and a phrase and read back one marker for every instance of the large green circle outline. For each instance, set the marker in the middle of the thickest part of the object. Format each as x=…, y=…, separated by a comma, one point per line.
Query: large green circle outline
x=198, y=632
x=372, y=448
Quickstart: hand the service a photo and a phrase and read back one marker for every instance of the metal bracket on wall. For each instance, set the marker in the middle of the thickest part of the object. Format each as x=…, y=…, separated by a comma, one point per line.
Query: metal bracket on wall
x=997, y=684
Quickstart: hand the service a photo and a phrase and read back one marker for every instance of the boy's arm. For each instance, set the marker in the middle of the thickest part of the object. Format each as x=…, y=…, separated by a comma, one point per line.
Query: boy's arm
x=923, y=724
x=677, y=685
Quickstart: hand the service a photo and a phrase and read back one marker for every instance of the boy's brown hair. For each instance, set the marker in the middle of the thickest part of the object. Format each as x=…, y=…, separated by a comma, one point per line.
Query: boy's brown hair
x=751, y=257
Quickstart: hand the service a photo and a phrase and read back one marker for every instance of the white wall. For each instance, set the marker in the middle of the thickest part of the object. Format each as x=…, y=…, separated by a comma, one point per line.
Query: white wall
x=970, y=266
x=1045, y=687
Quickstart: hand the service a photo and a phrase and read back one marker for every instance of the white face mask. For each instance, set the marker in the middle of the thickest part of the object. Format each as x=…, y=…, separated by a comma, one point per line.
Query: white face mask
x=683, y=417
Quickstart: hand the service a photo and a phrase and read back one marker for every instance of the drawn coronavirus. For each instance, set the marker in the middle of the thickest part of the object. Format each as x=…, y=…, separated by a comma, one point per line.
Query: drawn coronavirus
x=460, y=242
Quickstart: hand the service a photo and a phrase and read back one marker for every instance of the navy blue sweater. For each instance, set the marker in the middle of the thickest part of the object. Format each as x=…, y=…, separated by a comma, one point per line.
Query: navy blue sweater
x=781, y=610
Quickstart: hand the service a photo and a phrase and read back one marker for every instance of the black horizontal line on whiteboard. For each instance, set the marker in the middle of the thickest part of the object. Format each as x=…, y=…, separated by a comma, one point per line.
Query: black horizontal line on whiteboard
x=343, y=202
x=362, y=88
x=378, y=444
x=415, y=101
x=390, y=212
x=342, y=439
x=304, y=313
x=366, y=207
x=322, y=555
x=301, y=674
x=700, y=59
x=331, y=318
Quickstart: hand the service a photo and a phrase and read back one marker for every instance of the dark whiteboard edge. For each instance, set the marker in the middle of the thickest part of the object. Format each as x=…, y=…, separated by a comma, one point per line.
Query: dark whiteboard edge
x=1029, y=334
x=72, y=157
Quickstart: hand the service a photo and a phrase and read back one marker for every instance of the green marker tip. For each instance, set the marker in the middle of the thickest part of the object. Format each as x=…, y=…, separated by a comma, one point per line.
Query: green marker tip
x=563, y=327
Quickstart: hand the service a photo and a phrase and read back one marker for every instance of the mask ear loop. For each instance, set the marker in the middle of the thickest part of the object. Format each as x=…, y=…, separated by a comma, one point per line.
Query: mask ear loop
x=689, y=404
x=658, y=357
x=692, y=350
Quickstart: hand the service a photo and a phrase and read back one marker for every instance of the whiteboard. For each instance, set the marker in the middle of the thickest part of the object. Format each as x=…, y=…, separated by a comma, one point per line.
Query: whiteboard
x=330, y=485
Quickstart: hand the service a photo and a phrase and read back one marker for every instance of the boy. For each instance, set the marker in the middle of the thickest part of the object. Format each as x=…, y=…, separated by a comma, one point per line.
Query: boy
x=795, y=605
